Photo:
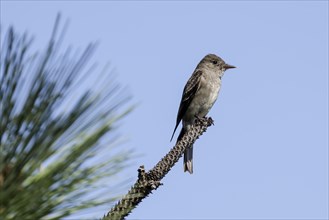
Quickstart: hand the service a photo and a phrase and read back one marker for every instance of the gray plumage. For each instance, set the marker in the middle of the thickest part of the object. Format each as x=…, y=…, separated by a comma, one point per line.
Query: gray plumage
x=199, y=95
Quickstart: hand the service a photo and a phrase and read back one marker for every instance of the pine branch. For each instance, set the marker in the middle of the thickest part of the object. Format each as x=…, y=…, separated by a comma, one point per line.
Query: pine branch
x=150, y=181
x=55, y=126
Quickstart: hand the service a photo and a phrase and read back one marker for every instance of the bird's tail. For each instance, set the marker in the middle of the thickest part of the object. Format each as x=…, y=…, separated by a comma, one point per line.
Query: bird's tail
x=188, y=155
x=188, y=160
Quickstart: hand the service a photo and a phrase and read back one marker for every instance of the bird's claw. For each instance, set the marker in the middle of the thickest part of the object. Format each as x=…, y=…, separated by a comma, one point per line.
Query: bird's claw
x=207, y=120
x=211, y=121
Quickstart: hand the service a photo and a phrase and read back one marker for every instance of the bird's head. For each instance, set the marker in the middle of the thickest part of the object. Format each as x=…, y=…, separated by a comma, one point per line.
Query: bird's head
x=214, y=62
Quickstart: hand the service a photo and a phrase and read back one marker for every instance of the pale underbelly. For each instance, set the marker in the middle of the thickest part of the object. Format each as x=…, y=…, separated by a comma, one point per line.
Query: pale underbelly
x=201, y=104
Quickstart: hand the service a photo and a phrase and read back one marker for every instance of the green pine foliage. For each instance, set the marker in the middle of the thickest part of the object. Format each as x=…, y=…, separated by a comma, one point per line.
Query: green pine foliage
x=58, y=138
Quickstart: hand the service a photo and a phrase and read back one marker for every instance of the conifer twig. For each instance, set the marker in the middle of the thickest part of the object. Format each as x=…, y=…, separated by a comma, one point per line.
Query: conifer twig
x=149, y=181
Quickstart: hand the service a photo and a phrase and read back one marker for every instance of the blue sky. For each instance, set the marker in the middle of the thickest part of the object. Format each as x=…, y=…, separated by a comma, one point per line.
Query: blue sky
x=267, y=155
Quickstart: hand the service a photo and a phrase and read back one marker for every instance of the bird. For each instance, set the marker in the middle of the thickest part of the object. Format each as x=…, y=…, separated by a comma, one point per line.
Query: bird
x=199, y=95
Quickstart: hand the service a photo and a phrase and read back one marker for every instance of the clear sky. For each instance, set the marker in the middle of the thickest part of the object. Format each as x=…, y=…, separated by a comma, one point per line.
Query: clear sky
x=267, y=155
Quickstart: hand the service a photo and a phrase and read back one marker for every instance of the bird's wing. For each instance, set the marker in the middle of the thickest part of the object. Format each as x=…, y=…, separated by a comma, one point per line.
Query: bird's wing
x=191, y=87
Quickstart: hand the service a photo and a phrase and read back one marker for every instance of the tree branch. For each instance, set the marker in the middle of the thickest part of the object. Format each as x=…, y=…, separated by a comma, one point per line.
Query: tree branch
x=147, y=182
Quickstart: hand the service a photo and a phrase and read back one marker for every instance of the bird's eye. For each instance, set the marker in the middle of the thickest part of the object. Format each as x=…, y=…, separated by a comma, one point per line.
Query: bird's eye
x=214, y=62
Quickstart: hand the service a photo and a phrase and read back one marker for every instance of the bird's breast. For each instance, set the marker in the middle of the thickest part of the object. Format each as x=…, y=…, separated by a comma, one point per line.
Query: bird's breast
x=204, y=98
x=208, y=94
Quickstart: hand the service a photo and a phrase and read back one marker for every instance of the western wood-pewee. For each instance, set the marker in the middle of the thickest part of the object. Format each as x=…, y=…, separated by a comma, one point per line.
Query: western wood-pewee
x=199, y=95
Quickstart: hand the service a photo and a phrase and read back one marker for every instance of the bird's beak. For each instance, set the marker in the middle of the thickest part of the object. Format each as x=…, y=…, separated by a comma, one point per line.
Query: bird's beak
x=228, y=66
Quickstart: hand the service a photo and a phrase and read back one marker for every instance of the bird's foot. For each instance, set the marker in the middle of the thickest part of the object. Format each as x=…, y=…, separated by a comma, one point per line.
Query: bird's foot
x=199, y=118
x=204, y=120
x=210, y=121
